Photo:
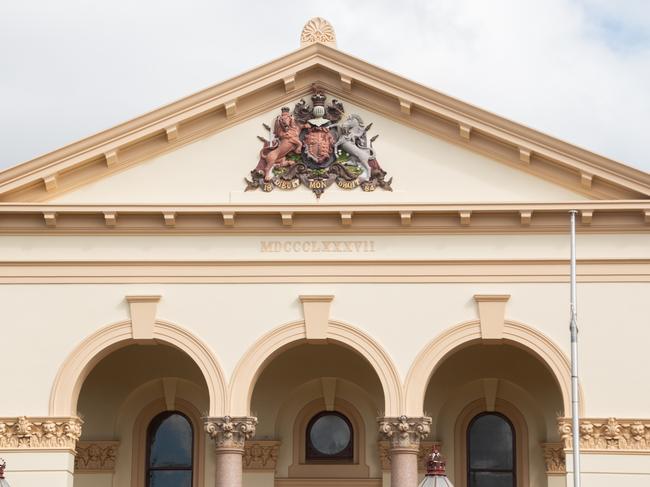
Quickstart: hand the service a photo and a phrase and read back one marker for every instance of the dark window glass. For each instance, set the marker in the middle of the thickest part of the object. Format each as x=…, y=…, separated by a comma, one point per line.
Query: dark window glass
x=491, y=451
x=169, y=451
x=329, y=437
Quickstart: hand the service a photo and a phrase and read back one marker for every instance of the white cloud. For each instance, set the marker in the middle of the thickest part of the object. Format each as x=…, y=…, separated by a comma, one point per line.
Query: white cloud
x=576, y=69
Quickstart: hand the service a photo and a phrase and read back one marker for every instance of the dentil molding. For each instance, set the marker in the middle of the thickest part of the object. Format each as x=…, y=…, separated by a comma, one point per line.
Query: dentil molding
x=230, y=433
x=39, y=433
x=404, y=433
x=610, y=434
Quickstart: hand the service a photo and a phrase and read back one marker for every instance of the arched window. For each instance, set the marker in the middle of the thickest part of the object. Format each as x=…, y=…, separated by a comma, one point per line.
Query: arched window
x=491, y=451
x=170, y=453
x=329, y=438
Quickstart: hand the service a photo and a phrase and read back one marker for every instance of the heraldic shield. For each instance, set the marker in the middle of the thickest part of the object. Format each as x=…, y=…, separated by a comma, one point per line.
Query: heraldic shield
x=316, y=147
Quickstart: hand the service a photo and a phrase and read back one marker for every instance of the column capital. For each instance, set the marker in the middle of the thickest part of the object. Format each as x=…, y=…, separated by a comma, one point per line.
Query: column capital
x=404, y=433
x=230, y=433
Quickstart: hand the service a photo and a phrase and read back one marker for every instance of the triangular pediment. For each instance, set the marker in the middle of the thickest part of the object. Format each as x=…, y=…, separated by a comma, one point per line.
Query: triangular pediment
x=436, y=149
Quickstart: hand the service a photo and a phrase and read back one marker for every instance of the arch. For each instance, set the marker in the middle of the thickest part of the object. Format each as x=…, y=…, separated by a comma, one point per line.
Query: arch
x=468, y=333
x=76, y=367
x=268, y=346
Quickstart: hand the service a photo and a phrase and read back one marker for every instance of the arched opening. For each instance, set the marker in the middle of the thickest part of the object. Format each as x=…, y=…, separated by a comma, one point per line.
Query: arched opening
x=146, y=401
x=493, y=407
x=320, y=402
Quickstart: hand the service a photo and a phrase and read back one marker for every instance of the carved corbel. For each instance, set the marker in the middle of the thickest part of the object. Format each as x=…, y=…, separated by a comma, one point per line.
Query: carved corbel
x=289, y=83
x=231, y=108
x=405, y=106
x=171, y=133
x=465, y=217
x=586, y=216
x=287, y=218
x=170, y=219
x=346, y=82
x=526, y=217
x=110, y=218
x=586, y=179
x=228, y=218
x=50, y=218
x=465, y=131
x=524, y=155
x=51, y=182
x=406, y=217
x=346, y=218
x=111, y=158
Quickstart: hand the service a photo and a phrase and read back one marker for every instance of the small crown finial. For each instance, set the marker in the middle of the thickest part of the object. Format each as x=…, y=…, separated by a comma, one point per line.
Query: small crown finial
x=318, y=30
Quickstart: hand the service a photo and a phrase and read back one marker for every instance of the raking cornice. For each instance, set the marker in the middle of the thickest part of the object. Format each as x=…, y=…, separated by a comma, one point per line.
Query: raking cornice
x=290, y=77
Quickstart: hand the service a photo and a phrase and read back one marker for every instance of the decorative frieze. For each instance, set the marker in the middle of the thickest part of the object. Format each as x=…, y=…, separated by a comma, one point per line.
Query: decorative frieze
x=261, y=455
x=230, y=432
x=39, y=433
x=96, y=456
x=426, y=449
x=554, y=458
x=404, y=432
x=608, y=434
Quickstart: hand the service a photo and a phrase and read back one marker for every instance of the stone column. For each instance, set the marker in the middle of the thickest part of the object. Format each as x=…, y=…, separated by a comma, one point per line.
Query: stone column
x=229, y=435
x=404, y=436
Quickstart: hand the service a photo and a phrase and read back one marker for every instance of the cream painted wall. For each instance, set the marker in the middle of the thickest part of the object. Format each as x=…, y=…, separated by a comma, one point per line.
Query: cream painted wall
x=39, y=468
x=406, y=247
x=603, y=470
x=424, y=168
x=402, y=318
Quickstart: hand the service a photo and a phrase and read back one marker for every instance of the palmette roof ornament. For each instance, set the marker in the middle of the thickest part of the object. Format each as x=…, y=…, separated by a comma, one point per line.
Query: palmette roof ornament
x=318, y=30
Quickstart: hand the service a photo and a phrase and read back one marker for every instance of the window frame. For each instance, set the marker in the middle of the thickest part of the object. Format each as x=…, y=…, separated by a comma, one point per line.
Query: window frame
x=139, y=443
x=469, y=468
x=510, y=411
x=152, y=428
x=313, y=455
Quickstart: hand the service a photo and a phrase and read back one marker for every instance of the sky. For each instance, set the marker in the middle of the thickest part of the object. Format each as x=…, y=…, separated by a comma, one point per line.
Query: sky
x=578, y=70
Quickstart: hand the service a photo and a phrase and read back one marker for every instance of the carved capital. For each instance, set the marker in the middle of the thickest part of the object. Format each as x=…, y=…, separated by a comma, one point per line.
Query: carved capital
x=96, y=456
x=230, y=433
x=39, y=433
x=554, y=458
x=261, y=455
x=608, y=434
x=404, y=433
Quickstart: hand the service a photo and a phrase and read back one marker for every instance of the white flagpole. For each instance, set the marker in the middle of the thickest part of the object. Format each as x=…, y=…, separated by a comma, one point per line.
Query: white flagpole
x=575, y=419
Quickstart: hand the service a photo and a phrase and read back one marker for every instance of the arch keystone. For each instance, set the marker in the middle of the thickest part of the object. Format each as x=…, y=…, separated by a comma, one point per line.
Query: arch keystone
x=316, y=310
x=492, y=314
x=143, y=315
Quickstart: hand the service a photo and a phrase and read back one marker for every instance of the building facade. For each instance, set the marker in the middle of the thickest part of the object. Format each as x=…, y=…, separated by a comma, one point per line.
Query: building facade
x=249, y=287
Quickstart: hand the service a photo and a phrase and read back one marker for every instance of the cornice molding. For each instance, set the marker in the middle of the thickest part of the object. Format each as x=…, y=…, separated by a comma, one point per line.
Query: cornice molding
x=260, y=89
x=495, y=218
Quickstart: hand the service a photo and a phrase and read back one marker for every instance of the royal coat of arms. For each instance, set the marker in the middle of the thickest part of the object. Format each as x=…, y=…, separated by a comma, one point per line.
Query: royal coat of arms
x=317, y=145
